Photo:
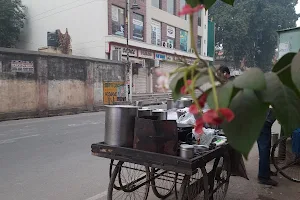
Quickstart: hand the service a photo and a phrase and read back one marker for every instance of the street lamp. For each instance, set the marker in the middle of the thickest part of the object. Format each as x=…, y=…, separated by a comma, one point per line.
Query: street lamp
x=133, y=7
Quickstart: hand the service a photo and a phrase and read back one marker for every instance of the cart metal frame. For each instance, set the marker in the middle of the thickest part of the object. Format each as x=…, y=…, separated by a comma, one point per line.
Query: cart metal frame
x=191, y=174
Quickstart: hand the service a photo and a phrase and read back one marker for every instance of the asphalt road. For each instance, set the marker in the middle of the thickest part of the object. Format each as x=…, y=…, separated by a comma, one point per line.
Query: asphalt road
x=50, y=158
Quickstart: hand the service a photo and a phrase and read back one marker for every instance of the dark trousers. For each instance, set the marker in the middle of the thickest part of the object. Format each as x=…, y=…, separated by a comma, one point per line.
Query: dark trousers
x=264, y=147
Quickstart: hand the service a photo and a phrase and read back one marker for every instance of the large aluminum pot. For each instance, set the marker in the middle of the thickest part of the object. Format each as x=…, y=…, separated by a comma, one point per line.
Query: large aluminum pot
x=161, y=113
x=183, y=103
x=119, y=125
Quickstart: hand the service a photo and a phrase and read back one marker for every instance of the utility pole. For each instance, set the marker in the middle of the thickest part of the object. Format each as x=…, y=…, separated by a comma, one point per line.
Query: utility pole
x=129, y=64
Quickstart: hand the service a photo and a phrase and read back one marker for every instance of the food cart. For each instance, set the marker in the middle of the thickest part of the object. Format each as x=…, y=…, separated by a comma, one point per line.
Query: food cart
x=133, y=171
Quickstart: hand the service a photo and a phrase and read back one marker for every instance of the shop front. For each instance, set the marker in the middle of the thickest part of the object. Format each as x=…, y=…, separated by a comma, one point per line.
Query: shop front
x=144, y=62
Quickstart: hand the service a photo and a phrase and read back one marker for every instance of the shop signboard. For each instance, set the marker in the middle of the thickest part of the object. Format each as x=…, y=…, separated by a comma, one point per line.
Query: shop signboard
x=160, y=56
x=146, y=54
x=171, y=31
x=22, y=66
x=131, y=51
x=113, y=91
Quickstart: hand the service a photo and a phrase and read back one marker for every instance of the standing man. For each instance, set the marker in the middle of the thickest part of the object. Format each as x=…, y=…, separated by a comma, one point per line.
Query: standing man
x=264, y=147
x=226, y=72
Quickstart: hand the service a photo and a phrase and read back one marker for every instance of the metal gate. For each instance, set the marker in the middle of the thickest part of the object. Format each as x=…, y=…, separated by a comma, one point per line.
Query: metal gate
x=140, y=81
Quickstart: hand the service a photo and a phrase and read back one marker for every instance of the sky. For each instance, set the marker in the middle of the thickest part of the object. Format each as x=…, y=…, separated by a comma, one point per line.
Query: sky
x=298, y=11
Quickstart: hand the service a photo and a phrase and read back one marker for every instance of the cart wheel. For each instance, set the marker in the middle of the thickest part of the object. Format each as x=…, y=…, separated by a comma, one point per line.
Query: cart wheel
x=133, y=181
x=220, y=182
x=286, y=162
x=162, y=182
x=195, y=187
x=116, y=184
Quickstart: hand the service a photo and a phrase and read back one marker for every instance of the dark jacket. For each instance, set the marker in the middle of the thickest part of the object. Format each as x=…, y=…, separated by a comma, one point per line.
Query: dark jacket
x=271, y=116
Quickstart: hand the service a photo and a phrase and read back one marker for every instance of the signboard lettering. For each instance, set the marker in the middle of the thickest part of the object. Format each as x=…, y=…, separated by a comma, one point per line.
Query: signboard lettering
x=159, y=56
x=113, y=91
x=131, y=51
x=146, y=54
x=171, y=31
x=22, y=66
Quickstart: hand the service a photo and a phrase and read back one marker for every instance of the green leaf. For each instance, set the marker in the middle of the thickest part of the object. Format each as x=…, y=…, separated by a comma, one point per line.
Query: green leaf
x=284, y=73
x=234, y=92
x=207, y=3
x=201, y=81
x=230, y=2
x=283, y=61
x=285, y=102
x=250, y=114
x=224, y=95
x=193, y=3
x=252, y=79
x=295, y=71
x=175, y=85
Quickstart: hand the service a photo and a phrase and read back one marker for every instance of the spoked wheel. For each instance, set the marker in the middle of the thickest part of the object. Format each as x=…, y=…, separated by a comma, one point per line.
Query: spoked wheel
x=111, y=168
x=220, y=182
x=133, y=183
x=195, y=187
x=162, y=182
x=285, y=161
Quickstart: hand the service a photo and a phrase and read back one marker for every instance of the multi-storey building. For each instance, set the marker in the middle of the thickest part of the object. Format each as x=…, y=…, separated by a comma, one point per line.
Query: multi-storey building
x=98, y=29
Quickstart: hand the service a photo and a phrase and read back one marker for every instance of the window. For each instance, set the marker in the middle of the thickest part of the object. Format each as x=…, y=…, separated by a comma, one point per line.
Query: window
x=199, y=18
x=199, y=40
x=183, y=40
x=171, y=34
x=171, y=6
x=118, y=20
x=138, y=27
x=156, y=3
x=156, y=33
x=182, y=3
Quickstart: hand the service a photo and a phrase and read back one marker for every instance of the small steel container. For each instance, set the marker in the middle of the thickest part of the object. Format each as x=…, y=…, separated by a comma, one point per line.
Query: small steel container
x=183, y=103
x=186, y=151
x=161, y=113
x=170, y=104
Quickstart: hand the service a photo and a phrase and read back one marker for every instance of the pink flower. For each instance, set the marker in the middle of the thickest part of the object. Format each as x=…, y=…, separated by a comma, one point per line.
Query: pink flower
x=227, y=114
x=216, y=117
x=202, y=100
x=193, y=109
x=183, y=89
x=159, y=72
x=188, y=9
x=199, y=126
x=162, y=81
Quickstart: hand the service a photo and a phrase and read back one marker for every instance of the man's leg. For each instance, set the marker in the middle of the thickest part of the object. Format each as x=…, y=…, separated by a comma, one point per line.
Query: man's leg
x=264, y=147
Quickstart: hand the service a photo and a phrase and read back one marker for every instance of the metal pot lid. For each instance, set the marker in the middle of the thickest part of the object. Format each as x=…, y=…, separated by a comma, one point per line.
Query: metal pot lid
x=186, y=146
x=159, y=110
x=121, y=106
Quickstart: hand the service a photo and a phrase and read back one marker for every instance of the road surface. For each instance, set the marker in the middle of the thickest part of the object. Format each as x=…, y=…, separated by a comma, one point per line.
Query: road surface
x=50, y=158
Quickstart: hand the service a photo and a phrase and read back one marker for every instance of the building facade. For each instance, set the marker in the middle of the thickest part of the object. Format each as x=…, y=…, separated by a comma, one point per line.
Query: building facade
x=98, y=29
x=288, y=41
